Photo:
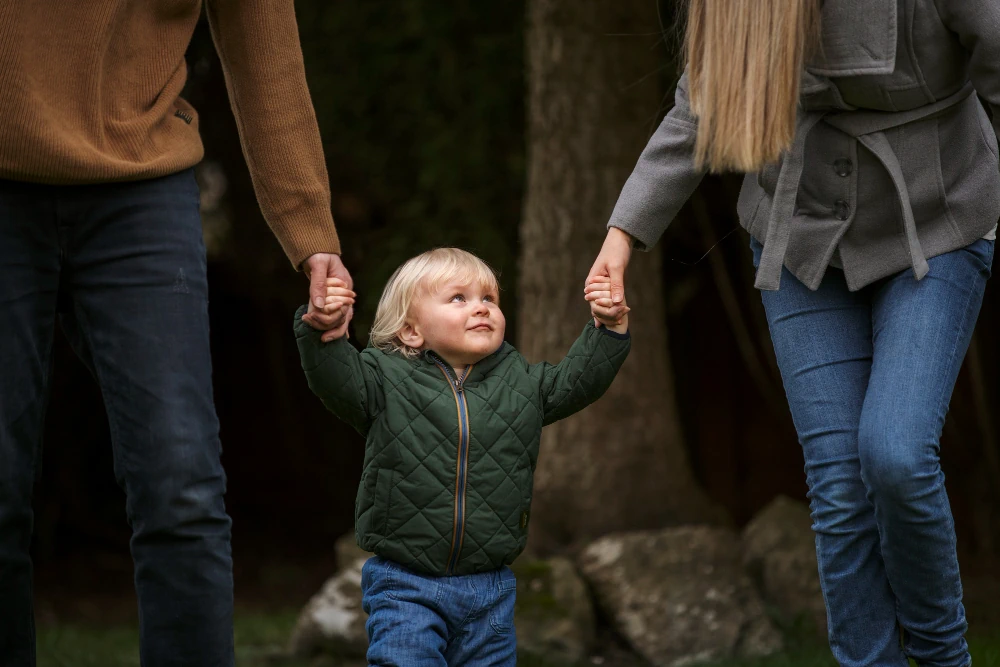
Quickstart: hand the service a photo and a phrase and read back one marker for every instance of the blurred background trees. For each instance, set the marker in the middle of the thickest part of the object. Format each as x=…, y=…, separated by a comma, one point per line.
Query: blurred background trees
x=508, y=132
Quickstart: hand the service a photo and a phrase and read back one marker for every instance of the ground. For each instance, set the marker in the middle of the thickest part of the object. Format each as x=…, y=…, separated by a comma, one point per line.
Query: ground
x=79, y=628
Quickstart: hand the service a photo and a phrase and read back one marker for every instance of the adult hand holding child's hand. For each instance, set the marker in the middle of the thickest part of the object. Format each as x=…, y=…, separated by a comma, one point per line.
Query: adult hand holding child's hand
x=339, y=299
x=610, y=264
x=332, y=321
x=602, y=307
x=607, y=278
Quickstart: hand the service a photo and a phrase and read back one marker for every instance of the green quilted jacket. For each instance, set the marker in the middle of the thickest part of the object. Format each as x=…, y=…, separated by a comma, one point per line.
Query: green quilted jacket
x=449, y=461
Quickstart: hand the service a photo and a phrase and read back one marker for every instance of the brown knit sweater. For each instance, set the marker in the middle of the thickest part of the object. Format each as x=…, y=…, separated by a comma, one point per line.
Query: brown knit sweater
x=90, y=93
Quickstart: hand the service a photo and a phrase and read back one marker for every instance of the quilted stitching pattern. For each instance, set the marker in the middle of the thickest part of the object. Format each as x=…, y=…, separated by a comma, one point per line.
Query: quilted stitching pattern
x=406, y=409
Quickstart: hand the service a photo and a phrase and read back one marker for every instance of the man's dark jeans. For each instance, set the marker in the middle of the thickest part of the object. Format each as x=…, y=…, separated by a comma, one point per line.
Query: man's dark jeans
x=129, y=263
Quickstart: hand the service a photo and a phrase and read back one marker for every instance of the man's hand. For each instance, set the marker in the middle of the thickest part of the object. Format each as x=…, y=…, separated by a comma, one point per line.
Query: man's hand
x=338, y=297
x=610, y=265
x=331, y=319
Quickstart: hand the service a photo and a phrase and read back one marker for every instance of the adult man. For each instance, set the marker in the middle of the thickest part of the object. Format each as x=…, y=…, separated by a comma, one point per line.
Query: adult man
x=98, y=204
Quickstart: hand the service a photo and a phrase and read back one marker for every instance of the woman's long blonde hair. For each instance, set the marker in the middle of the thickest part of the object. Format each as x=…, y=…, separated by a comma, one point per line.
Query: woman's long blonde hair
x=745, y=59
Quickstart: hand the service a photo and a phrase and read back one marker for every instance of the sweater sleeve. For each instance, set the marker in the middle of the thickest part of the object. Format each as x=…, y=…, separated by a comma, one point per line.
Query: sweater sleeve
x=583, y=375
x=348, y=382
x=977, y=25
x=258, y=44
x=664, y=177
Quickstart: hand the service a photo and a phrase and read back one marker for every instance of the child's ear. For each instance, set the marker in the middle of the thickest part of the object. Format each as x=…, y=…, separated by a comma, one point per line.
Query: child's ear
x=410, y=336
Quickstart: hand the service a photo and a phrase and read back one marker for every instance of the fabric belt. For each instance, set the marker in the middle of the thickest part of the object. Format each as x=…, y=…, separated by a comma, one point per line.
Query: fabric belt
x=868, y=127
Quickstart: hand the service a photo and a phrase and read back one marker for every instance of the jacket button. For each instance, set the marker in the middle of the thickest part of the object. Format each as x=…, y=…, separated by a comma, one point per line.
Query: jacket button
x=841, y=209
x=843, y=167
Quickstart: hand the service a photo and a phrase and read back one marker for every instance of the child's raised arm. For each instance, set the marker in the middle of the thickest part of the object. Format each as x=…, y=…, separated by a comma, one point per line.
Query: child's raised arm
x=347, y=381
x=584, y=374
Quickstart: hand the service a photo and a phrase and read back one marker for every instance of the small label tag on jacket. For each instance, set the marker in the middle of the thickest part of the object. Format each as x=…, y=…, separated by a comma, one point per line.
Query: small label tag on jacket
x=524, y=520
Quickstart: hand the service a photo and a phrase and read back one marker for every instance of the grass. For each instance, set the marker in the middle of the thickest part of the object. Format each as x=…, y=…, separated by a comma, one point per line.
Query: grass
x=87, y=645
x=260, y=635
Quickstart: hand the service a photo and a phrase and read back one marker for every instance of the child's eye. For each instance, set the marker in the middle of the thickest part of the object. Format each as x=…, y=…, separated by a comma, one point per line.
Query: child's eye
x=490, y=298
x=458, y=297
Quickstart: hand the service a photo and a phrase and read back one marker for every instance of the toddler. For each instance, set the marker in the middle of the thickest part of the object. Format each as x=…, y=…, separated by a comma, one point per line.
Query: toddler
x=452, y=417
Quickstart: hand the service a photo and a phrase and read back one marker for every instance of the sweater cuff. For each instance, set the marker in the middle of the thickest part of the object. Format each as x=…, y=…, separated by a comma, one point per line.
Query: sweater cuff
x=302, y=236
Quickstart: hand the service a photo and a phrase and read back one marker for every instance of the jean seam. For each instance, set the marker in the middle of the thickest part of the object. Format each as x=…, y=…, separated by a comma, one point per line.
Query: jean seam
x=110, y=406
x=985, y=267
x=951, y=361
x=475, y=606
x=36, y=461
x=499, y=628
x=502, y=592
x=826, y=602
x=390, y=581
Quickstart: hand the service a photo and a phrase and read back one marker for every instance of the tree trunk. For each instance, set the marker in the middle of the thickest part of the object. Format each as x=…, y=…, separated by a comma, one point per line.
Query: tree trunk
x=593, y=100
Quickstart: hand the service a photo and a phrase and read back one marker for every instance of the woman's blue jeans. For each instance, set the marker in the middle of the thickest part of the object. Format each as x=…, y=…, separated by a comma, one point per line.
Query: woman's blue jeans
x=868, y=376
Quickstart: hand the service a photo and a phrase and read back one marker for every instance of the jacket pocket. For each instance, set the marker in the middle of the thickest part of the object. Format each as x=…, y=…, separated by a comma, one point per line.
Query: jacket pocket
x=989, y=136
x=767, y=177
x=517, y=517
x=383, y=500
x=525, y=482
x=364, y=507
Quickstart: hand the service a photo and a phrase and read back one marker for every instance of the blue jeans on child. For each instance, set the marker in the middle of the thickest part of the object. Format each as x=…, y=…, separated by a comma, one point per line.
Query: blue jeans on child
x=417, y=620
x=121, y=266
x=868, y=376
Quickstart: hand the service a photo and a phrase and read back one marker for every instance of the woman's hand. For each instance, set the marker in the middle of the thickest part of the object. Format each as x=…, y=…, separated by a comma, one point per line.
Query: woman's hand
x=610, y=264
x=598, y=293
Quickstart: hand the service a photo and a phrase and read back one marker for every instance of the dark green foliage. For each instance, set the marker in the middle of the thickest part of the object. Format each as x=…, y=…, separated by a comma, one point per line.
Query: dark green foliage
x=421, y=108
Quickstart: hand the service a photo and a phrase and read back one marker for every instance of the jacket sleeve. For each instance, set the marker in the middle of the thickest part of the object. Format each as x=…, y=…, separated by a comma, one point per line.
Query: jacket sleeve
x=346, y=381
x=583, y=375
x=977, y=24
x=664, y=177
x=258, y=45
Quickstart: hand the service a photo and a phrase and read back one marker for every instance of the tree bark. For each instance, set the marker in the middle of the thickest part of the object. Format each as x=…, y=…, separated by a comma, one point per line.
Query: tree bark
x=593, y=100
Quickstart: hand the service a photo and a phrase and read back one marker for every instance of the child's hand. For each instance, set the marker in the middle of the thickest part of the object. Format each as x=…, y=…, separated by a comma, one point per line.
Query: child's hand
x=598, y=292
x=338, y=297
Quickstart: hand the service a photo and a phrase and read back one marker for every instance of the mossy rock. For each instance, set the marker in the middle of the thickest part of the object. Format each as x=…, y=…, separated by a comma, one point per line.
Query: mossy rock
x=554, y=613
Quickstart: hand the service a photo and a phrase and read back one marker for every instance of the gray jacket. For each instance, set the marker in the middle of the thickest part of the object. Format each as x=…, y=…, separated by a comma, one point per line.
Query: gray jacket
x=894, y=158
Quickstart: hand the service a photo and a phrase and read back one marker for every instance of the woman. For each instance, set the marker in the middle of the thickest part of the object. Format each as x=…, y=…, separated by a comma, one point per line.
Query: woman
x=872, y=196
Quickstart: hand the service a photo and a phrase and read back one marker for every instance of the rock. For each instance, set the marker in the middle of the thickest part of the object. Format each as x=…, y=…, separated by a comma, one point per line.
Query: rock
x=680, y=595
x=779, y=553
x=348, y=551
x=333, y=621
x=554, y=614
x=783, y=524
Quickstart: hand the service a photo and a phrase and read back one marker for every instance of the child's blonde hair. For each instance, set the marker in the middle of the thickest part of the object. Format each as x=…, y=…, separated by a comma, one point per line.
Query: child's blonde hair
x=417, y=277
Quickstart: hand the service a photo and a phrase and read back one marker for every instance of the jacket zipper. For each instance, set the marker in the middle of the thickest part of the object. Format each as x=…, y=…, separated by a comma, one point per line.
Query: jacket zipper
x=462, y=465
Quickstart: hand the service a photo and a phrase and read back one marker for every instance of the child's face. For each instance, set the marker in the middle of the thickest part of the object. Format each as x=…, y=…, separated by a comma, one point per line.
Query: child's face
x=460, y=321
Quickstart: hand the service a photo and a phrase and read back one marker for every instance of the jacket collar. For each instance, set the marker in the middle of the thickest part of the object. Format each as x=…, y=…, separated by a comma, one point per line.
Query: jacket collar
x=481, y=367
x=858, y=38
